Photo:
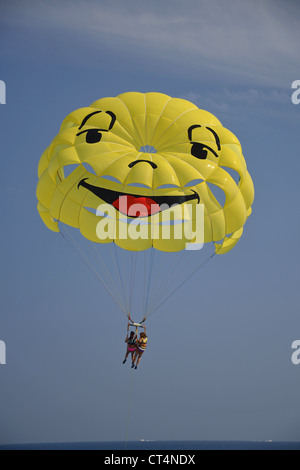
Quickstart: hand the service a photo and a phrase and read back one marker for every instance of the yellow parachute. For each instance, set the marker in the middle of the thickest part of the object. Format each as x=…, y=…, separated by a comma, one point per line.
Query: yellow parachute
x=146, y=171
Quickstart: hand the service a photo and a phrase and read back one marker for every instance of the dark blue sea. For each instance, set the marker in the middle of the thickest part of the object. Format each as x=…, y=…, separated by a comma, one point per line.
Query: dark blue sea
x=174, y=446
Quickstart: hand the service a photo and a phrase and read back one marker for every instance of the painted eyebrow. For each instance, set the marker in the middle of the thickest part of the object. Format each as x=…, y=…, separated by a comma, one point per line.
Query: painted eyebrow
x=210, y=129
x=88, y=117
x=110, y=113
x=216, y=137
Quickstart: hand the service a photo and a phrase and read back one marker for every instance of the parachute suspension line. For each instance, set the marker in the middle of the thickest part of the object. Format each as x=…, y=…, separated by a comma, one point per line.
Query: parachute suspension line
x=76, y=248
x=144, y=290
x=128, y=270
x=132, y=278
x=156, y=307
x=173, y=277
x=117, y=266
x=101, y=264
x=169, y=279
x=123, y=278
x=149, y=284
x=129, y=290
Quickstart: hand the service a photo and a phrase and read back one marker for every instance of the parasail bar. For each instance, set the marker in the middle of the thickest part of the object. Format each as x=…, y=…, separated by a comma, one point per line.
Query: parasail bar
x=138, y=325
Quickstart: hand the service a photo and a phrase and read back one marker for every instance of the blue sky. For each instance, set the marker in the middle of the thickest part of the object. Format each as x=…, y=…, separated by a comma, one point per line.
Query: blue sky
x=219, y=359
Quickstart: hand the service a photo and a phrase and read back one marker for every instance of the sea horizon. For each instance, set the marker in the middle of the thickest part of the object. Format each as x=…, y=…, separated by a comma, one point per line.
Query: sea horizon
x=145, y=445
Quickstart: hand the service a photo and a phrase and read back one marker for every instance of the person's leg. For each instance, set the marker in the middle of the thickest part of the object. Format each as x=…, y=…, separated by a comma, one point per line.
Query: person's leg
x=139, y=358
x=126, y=356
x=133, y=357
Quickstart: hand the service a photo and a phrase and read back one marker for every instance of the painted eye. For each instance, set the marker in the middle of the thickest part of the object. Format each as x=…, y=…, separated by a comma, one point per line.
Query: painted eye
x=199, y=151
x=93, y=136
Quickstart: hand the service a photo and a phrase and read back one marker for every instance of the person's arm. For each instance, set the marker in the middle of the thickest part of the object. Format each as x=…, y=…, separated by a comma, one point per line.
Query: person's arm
x=127, y=337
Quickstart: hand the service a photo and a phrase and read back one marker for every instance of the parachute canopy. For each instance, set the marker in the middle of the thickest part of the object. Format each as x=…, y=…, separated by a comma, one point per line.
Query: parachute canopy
x=142, y=170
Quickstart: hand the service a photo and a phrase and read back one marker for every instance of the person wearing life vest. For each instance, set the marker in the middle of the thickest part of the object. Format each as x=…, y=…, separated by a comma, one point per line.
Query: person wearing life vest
x=141, y=345
x=131, y=341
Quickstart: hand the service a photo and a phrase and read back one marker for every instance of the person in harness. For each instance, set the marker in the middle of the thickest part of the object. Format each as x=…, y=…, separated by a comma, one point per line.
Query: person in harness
x=141, y=345
x=131, y=344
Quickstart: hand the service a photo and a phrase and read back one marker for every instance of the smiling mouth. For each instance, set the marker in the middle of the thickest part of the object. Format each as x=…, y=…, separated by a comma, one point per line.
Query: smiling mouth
x=133, y=205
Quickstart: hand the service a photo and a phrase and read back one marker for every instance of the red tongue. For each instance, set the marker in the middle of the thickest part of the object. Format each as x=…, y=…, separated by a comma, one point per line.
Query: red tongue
x=136, y=206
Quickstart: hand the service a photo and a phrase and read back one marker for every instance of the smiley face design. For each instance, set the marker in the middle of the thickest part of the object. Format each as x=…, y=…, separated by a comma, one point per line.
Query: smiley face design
x=145, y=156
